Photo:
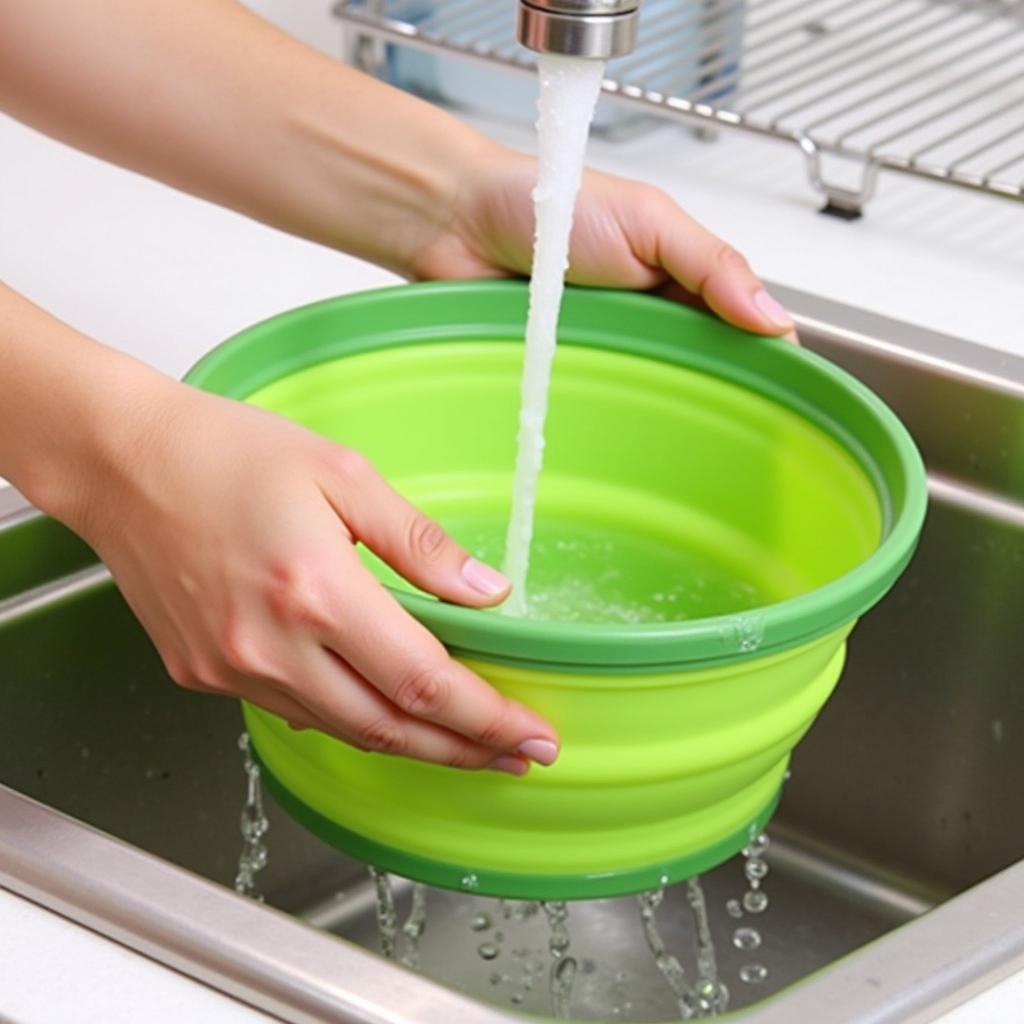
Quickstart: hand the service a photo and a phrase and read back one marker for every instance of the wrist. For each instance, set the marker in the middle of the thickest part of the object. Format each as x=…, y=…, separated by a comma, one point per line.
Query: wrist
x=382, y=171
x=78, y=440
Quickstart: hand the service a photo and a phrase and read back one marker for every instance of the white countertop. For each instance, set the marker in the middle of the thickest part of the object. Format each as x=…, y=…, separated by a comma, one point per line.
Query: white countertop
x=166, y=277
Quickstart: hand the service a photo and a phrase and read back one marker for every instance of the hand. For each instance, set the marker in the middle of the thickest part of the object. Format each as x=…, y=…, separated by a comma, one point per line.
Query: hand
x=625, y=235
x=231, y=534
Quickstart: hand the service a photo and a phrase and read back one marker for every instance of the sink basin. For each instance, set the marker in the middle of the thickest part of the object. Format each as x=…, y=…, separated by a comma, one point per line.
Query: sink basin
x=896, y=855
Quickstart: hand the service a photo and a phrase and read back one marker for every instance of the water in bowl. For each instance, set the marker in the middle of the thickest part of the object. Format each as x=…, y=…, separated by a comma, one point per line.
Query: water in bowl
x=592, y=574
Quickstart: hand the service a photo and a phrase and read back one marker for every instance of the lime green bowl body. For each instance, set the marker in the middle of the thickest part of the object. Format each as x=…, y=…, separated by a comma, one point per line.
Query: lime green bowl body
x=745, y=501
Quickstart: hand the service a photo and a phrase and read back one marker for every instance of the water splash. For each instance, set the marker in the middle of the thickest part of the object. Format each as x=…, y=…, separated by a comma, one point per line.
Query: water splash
x=387, y=916
x=253, y=825
x=569, y=88
x=415, y=925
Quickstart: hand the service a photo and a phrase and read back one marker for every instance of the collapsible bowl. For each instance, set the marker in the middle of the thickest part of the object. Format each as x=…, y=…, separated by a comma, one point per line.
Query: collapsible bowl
x=745, y=499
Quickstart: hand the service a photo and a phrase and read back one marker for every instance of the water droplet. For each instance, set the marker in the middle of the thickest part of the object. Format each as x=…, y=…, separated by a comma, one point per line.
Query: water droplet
x=753, y=974
x=516, y=998
x=470, y=881
x=755, y=869
x=746, y=938
x=755, y=901
x=588, y=966
x=759, y=844
x=496, y=978
x=709, y=992
x=733, y=908
x=488, y=950
x=480, y=922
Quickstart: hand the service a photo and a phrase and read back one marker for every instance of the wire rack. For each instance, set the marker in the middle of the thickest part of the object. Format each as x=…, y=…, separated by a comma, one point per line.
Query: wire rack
x=929, y=88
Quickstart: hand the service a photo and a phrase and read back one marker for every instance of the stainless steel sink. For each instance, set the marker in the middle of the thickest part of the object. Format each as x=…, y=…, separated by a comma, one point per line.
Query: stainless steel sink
x=896, y=861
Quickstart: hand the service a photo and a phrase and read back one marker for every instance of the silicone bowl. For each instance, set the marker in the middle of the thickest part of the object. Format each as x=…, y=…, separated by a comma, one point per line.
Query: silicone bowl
x=744, y=499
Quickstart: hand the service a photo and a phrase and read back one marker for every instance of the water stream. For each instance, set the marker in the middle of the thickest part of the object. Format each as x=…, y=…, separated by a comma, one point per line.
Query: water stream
x=569, y=89
x=415, y=925
x=754, y=901
x=712, y=993
x=671, y=969
x=563, y=966
x=387, y=916
x=253, y=825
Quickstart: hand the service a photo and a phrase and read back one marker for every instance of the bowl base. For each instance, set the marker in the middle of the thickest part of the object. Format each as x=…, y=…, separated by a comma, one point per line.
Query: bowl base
x=507, y=884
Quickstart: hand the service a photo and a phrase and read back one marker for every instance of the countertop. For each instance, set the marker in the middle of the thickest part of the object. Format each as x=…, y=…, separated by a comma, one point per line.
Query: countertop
x=166, y=277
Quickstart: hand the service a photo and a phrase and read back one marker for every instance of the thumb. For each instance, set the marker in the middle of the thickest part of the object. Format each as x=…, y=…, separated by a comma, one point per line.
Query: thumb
x=407, y=539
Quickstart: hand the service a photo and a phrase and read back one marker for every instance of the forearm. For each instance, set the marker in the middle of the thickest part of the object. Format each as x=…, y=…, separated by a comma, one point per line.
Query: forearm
x=206, y=96
x=70, y=408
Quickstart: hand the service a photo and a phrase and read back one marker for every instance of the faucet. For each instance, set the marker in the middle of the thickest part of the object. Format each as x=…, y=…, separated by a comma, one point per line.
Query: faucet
x=578, y=28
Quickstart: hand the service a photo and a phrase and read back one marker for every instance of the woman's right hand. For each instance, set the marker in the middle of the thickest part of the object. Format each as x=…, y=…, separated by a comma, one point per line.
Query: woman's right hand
x=231, y=533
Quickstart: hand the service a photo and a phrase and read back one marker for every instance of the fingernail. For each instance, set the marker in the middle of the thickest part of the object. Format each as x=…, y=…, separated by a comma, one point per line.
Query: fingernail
x=772, y=309
x=541, y=751
x=510, y=764
x=483, y=578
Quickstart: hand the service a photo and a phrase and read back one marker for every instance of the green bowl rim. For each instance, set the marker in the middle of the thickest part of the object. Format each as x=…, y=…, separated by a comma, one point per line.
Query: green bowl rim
x=512, y=884
x=237, y=368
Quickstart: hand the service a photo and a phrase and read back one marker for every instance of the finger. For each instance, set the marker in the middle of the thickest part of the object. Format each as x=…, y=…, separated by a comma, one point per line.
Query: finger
x=272, y=699
x=358, y=713
x=406, y=538
x=410, y=667
x=675, y=292
x=706, y=266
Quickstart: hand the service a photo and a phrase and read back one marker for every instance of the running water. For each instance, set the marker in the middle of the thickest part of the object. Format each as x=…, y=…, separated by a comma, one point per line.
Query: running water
x=563, y=966
x=712, y=994
x=414, y=926
x=387, y=916
x=569, y=88
x=671, y=969
x=254, y=826
x=755, y=901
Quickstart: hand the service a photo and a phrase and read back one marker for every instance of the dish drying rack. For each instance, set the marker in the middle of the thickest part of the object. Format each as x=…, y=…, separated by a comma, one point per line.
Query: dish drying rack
x=928, y=88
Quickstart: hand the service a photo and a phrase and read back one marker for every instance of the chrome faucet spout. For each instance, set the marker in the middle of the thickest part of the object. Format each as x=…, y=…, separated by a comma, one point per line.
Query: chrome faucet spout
x=599, y=29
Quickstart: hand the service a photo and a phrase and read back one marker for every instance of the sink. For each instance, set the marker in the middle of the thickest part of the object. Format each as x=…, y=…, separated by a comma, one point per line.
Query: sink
x=896, y=858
